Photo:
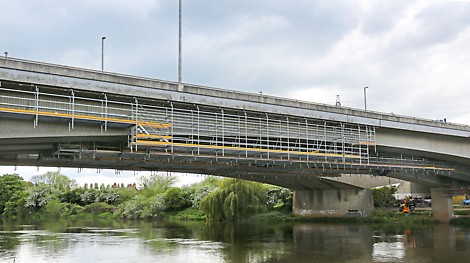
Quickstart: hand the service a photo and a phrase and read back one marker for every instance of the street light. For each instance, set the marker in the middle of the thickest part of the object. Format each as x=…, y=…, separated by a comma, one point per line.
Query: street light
x=365, y=98
x=180, y=87
x=102, y=53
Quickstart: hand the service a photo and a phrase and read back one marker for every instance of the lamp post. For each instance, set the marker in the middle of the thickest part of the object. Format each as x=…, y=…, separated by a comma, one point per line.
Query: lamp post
x=180, y=87
x=102, y=53
x=365, y=98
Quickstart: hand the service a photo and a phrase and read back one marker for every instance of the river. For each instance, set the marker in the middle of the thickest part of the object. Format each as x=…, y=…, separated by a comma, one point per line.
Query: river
x=106, y=242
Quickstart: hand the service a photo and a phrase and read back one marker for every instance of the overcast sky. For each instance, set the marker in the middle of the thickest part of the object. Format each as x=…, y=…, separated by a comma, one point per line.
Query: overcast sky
x=413, y=55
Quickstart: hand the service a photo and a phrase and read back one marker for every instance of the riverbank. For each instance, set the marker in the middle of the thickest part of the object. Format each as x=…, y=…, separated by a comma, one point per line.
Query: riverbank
x=380, y=216
x=227, y=200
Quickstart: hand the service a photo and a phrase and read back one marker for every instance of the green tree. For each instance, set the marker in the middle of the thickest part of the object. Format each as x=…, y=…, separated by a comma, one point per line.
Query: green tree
x=12, y=193
x=200, y=190
x=279, y=198
x=141, y=207
x=156, y=184
x=234, y=199
x=72, y=196
x=39, y=196
x=176, y=199
x=56, y=180
x=383, y=196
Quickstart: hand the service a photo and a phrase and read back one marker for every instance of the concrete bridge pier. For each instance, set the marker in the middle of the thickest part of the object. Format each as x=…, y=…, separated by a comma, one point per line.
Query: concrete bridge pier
x=334, y=203
x=442, y=206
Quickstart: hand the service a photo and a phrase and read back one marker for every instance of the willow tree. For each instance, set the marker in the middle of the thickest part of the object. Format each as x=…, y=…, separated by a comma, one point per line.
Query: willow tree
x=234, y=199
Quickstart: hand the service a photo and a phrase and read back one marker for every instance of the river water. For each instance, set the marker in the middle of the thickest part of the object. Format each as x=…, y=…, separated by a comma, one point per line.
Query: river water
x=105, y=242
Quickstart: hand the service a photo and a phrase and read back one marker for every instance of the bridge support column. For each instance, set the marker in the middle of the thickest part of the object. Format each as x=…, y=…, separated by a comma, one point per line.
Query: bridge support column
x=442, y=206
x=340, y=202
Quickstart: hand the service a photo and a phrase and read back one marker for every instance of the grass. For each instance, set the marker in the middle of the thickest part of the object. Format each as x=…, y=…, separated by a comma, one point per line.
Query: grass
x=189, y=214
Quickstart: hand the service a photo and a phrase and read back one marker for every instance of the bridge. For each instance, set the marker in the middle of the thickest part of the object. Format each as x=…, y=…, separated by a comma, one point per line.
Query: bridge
x=61, y=116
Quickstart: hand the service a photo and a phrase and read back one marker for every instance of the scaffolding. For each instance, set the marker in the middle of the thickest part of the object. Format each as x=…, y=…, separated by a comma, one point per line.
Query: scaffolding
x=185, y=129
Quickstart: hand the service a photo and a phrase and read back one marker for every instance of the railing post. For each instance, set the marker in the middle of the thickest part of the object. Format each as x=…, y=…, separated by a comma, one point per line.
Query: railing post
x=306, y=136
x=36, y=101
x=105, y=112
x=172, y=127
x=267, y=135
x=246, y=134
x=72, y=109
x=223, y=132
x=288, y=138
x=198, y=130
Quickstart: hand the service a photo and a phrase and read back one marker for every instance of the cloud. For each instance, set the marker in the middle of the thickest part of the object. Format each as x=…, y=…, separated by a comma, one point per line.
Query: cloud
x=406, y=52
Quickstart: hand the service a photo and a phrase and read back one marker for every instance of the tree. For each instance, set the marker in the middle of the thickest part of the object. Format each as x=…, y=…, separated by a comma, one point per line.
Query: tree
x=279, y=198
x=56, y=180
x=12, y=192
x=383, y=196
x=156, y=184
x=200, y=190
x=39, y=196
x=234, y=200
x=176, y=199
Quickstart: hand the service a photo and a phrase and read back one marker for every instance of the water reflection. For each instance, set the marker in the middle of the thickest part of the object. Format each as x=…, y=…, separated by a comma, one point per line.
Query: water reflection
x=63, y=241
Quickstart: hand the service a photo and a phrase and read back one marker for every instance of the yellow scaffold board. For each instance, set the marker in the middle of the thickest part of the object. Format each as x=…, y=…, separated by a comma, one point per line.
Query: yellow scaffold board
x=86, y=117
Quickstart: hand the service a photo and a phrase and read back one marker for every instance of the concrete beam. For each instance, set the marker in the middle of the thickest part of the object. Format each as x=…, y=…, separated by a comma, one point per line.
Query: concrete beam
x=435, y=146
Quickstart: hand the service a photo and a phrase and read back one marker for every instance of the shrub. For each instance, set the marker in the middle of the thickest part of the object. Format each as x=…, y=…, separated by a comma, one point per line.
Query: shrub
x=39, y=196
x=98, y=208
x=383, y=196
x=176, y=199
x=141, y=207
x=54, y=208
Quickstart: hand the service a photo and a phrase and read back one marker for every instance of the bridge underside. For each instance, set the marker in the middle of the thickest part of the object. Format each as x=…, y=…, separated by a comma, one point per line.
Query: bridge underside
x=88, y=146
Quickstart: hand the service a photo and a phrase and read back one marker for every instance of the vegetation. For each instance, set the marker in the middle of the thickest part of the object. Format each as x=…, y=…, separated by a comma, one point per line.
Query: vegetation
x=234, y=199
x=55, y=195
x=383, y=196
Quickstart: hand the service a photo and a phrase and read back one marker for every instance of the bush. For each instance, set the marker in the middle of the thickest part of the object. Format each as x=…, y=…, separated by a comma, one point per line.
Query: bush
x=141, y=207
x=98, y=208
x=200, y=190
x=105, y=215
x=73, y=196
x=125, y=194
x=279, y=199
x=176, y=199
x=39, y=196
x=54, y=208
x=383, y=197
x=274, y=216
x=109, y=196
x=190, y=214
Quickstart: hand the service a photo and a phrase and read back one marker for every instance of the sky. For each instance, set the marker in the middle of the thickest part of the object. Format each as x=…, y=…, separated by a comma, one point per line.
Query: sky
x=412, y=55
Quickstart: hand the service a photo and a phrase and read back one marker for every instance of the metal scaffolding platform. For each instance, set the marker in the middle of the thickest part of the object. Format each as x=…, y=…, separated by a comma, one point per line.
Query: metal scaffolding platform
x=162, y=128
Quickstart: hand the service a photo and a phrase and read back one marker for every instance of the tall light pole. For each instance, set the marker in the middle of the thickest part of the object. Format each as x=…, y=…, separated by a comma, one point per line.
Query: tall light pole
x=365, y=98
x=180, y=87
x=102, y=53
